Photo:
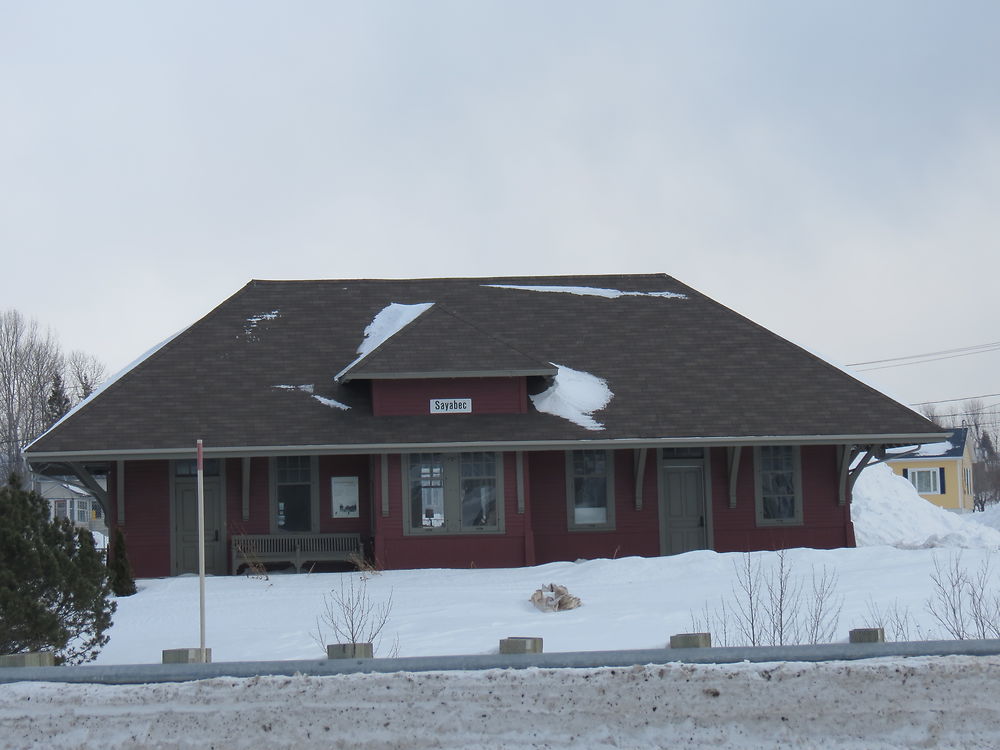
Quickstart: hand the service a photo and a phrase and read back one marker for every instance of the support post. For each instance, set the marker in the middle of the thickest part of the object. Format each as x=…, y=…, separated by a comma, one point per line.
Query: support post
x=245, y=487
x=201, y=553
x=640, y=473
x=120, y=491
x=734, y=472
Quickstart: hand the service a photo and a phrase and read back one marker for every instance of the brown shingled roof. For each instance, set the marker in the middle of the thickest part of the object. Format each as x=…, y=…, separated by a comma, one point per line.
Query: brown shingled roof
x=680, y=368
x=422, y=350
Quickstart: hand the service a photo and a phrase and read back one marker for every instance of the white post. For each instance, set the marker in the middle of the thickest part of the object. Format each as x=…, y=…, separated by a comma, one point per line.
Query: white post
x=201, y=550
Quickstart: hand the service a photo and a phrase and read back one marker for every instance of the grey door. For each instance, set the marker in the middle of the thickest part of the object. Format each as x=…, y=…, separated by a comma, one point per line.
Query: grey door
x=186, y=526
x=683, y=525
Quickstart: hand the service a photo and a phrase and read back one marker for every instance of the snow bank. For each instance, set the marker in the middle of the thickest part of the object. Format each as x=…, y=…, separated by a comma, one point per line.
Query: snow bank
x=989, y=517
x=886, y=509
x=589, y=291
x=875, y=704
x=391, y=319
x=574, y=395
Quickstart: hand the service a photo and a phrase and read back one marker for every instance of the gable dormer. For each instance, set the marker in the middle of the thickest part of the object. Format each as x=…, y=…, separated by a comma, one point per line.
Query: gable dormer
x=439, y=363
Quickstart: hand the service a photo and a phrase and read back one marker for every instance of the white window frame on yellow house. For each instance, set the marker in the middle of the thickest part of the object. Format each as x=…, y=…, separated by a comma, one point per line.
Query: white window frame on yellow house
x=934, y=485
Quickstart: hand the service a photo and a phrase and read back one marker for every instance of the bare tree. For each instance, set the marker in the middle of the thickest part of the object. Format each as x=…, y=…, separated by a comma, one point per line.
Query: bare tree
x=32, y=368
x=84, y=374
x=29, y=361
x=931, y=412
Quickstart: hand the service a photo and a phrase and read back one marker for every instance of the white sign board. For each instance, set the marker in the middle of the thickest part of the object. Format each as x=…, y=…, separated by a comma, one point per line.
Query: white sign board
x=451, y=406
x=344, y=494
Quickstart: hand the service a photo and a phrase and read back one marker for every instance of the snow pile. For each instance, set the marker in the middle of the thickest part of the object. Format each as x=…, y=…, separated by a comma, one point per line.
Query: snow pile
x=389, y=321
x=574, y=395
x=874, y=704
x=589, y=291
x=886, y=509
x=989, y=517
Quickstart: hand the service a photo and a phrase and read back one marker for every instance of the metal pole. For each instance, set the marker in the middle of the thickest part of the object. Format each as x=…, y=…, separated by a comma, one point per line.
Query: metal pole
x=201, y=550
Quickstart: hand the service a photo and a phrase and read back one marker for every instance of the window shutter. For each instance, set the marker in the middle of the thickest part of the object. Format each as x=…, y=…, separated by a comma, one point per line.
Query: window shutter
x=906, y=473
x=941, y=477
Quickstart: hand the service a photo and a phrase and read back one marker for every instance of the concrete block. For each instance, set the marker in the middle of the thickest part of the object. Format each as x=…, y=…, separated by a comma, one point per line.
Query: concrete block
x=30, y=659
x=520, y=645
x=691, y=640
x=867, y=635
x=350, y=651
x=186, y=656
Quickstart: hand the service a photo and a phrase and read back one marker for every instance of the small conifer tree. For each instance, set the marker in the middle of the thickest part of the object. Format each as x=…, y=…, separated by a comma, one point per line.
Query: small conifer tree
x=120, y=569
x=54, y=589
x=58, y=402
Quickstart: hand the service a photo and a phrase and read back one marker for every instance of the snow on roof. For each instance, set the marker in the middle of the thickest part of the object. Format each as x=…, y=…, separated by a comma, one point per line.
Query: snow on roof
x=331, y=402
x=928, y=449
x=254, y=320
x=108, y=383
x=574, y=395
x=389, y=321
x=310, y=388
x=589, y=291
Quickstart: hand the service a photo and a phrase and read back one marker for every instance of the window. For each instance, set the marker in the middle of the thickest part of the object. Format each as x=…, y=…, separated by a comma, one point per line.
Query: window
x=293, y=493
x=926, y=481
x=189, y=467
x=454, y=493
x=779, y=485
x=589, y=490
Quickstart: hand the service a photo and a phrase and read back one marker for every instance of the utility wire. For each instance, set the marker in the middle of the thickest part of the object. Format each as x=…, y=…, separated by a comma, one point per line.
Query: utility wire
x=952, y=400
x=991, y=346
x=930, y=359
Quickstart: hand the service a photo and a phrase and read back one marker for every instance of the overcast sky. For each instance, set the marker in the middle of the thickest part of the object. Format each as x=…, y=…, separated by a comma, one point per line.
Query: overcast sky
x=829, y=169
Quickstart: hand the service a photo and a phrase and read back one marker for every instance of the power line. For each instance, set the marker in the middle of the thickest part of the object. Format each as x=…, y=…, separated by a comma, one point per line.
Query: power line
x=930, y=359
x=991, y=346
x=952, y=400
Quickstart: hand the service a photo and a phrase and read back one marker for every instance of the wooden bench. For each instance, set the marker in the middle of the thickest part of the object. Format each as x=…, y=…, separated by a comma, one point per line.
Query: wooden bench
x=297, y=549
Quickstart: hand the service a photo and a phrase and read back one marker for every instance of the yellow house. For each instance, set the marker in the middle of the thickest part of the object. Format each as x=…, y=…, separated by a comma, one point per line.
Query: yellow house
x=940, y=472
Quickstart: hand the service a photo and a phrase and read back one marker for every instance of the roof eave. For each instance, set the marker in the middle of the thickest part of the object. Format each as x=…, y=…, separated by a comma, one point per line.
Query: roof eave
x=135, y=454
x=439, y=374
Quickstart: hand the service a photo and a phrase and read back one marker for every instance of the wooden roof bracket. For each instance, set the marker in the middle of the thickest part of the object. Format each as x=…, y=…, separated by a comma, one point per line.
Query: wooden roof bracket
x=845, y=457
x=733, y=454
x=873, y=454
x=87, y=480
x=640, y=473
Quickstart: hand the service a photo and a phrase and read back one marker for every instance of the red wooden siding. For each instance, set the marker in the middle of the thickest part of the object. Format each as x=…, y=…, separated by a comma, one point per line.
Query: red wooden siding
x=538, y=535
x=394, y=549
x=147, y=529
x=825, y=523
x=412, y=397
x=636, y=532
x=257, y=523
x=345, y=466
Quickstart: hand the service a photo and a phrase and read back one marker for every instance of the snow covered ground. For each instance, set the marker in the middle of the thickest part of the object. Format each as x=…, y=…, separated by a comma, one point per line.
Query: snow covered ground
x=627, y=603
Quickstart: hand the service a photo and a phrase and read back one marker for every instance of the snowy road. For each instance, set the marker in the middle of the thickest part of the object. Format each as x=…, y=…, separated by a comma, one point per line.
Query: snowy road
x=939, y=702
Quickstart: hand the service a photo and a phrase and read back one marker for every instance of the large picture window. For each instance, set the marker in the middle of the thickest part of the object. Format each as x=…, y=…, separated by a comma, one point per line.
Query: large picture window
x=293, y=493
x=454, y=493
x=779, y=485
x=590, y=490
